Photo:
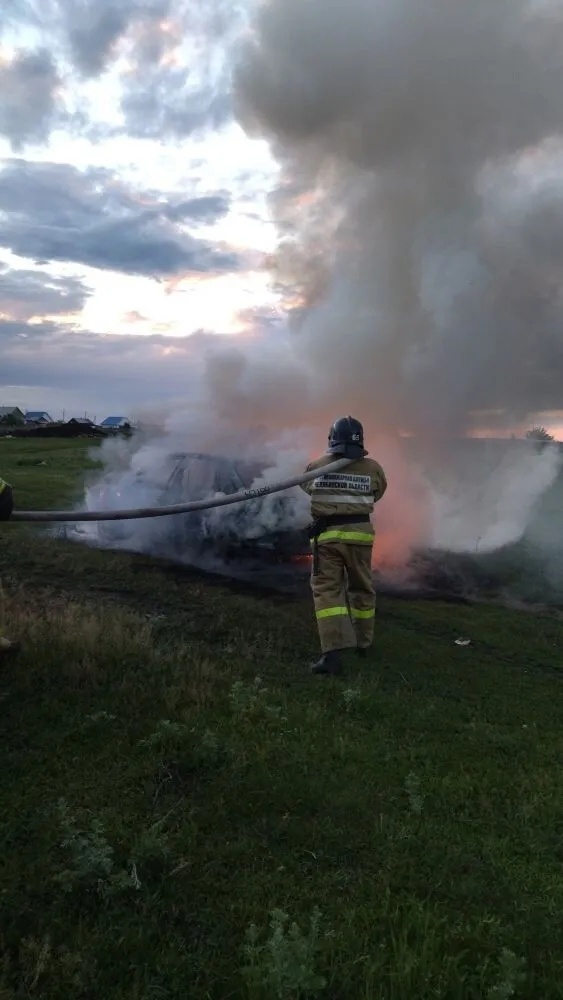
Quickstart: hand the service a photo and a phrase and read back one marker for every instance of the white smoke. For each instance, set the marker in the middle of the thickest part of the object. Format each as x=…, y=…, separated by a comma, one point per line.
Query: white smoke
x=419, y=205
x=193, y=454
x=491, y=501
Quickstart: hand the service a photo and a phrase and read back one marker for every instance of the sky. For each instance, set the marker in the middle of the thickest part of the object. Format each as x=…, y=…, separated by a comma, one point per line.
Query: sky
x=139, y=220
x=133, y=207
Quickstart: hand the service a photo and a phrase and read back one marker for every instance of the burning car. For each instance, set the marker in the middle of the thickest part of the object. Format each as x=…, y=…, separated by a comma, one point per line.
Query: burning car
x=269, y=527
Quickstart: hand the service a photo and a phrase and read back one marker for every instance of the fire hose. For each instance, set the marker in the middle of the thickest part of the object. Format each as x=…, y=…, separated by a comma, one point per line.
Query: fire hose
x=76, y=516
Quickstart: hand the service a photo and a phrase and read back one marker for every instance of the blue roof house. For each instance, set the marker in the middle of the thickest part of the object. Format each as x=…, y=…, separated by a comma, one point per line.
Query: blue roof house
x=115, y=423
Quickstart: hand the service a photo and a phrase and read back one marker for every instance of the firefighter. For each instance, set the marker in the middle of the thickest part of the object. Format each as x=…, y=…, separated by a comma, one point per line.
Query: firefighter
x=342, y=539
x=6, y=508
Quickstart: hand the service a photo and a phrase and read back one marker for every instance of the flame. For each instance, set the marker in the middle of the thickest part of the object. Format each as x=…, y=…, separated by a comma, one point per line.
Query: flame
x=389, y=552
x=392, y=549
x=303, y=559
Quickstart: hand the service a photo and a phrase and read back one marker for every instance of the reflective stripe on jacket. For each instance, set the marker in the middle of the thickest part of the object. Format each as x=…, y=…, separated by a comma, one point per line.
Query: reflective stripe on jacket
x=353, y=491
x=351, y=534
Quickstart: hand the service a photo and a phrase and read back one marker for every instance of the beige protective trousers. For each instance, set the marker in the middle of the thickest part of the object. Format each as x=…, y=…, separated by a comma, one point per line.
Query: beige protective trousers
x=344, y=595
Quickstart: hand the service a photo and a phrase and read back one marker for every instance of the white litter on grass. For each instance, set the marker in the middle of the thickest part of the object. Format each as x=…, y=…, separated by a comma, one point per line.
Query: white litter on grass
x=463, y=642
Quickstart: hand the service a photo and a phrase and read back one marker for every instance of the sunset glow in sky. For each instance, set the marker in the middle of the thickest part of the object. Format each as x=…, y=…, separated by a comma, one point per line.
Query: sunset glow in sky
x=135, y=212
x=133, y=208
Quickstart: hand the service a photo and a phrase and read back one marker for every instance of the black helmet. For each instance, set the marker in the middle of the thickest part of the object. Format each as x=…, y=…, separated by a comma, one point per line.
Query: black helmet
x=346, y=438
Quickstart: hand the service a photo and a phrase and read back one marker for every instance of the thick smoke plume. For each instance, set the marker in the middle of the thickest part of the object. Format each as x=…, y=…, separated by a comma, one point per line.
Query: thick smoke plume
x=420, y=195
x=421, y=233
x=420, y=205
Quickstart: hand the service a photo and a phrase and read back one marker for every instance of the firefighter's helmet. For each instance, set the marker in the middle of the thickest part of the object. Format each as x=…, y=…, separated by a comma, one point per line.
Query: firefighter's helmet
x=346, y=438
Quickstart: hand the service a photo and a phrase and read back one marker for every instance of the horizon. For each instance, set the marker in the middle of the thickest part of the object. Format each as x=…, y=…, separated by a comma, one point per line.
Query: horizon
x=142, y=227
x=139, y=423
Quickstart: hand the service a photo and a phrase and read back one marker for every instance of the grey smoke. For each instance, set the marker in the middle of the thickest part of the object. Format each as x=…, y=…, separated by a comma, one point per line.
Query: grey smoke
x=409, y=122
x=420, y=149
x=418, y=208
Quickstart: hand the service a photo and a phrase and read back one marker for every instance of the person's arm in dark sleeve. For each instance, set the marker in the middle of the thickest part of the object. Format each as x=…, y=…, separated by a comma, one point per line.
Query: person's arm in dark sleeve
x=6, y=501
x=380, y=485
x=306, y=487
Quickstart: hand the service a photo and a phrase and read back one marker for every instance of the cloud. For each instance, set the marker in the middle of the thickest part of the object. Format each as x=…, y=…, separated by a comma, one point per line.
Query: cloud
x=53, y=211
x=215, y=372
x=95, y=27
x=114, y=372
x=175, y=88
x=30, y=97
x=14, y=330
x=164, y=106
x=27, y=294
x=171, y=62
x=87, y=31
x=207, y=209
x=180, y=77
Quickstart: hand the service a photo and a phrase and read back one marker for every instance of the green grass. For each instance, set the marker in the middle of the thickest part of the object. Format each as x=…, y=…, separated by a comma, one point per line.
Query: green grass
x=157, y=799
x=46, y=473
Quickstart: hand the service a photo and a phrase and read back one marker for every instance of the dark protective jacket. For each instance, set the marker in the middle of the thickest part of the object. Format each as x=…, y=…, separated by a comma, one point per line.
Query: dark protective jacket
x=6, y=501
x=342, y=502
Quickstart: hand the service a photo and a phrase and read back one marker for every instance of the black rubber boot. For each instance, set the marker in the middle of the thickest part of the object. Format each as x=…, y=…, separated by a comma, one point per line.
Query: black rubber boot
x=329, y=663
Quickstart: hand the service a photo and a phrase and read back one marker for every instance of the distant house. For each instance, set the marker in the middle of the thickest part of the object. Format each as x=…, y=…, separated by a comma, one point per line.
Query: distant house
x=38, y=417
x=116, y=423
x=83, y=421
x=11, y=415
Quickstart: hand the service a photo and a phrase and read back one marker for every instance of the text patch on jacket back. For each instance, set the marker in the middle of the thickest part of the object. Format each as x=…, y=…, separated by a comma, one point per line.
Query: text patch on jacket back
x=342, y=483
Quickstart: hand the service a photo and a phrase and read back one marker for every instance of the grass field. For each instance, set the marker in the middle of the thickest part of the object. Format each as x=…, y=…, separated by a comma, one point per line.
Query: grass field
x=174, y=783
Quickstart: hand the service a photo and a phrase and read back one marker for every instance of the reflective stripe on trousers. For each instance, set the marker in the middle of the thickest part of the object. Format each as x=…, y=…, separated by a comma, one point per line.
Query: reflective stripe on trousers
x=344, y=595
x=354, y=612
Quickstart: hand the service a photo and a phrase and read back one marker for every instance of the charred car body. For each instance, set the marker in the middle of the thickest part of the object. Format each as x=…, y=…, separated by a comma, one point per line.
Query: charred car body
x=271, y=528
